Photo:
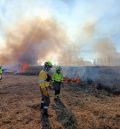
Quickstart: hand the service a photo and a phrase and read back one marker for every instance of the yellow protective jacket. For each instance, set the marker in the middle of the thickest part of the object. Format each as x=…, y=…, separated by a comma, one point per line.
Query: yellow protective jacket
x=57, y=77
x=42, y=79
x=1, y=71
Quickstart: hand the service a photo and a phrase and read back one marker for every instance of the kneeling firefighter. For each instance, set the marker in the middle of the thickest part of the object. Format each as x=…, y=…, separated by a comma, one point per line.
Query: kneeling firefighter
x=44, y=83
x=57, y=82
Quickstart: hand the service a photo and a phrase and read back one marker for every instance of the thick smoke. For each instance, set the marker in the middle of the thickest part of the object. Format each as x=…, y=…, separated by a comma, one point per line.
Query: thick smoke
x=33, y=41
x=107, y=53
x=105, y=48
x=39, y=40
x=71, y=56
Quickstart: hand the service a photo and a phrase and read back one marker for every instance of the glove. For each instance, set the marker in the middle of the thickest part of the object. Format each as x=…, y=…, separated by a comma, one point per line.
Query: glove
x=51, y=87
x=48, y=78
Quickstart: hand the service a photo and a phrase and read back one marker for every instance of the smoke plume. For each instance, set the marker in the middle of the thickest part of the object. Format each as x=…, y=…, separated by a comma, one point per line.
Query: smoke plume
x=71, y=56
x=107, y=53
x=36, y=41
x=105, y=48
x=89, y=30
x=33, y=41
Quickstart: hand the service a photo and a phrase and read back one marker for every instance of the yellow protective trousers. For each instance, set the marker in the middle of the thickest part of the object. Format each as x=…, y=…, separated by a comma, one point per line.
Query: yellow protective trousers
x=45, y=98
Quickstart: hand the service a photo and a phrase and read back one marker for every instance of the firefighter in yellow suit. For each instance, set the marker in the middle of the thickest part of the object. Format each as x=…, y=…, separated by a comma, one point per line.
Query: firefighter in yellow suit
x=44, y=83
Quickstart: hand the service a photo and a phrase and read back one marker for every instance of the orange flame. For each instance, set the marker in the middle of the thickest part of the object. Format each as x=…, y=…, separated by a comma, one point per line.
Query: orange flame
x=24, y=68
x=75, y=80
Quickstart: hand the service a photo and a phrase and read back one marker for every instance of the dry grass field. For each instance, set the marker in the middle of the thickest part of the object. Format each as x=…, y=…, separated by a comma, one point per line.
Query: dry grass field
x=81, y=106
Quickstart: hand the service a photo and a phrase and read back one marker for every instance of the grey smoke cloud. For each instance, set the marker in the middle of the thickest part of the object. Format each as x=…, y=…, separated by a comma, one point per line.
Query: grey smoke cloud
x=106, y=53
x=31, y=41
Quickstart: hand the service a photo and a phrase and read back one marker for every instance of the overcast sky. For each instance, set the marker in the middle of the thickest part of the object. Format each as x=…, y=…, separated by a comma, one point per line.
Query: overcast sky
x=101, y=18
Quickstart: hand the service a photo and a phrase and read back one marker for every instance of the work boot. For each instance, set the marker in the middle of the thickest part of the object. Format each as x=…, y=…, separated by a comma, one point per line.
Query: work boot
x=42, y=105
x=45, y=112
x=55, y=99
x=58, y=97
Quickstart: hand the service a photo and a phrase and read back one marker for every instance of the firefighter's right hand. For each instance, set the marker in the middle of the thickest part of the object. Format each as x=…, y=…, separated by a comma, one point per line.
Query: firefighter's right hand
x=50, y=87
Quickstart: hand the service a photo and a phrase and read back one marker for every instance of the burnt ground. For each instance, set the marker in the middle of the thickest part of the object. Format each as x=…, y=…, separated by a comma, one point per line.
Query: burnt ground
x=81, y=106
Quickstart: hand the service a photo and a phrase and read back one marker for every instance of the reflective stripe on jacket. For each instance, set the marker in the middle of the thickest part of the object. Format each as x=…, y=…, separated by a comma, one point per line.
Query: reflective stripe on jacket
x=42, y=79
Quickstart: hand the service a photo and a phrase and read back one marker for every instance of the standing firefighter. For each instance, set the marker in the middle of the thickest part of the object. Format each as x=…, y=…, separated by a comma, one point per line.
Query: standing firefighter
x=1, y=72
x=44, y=83
x=57, y=82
